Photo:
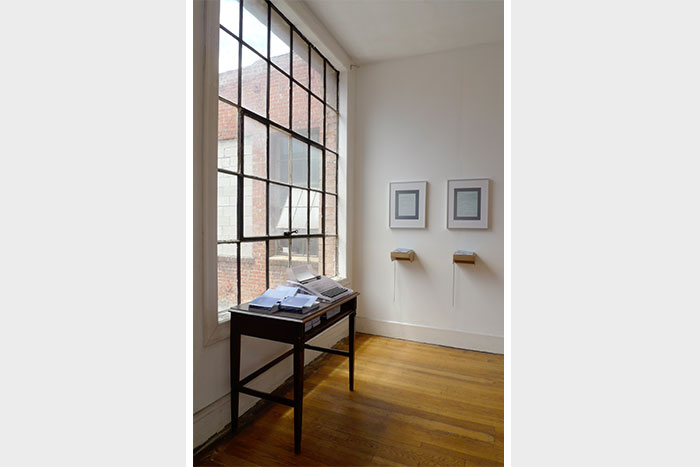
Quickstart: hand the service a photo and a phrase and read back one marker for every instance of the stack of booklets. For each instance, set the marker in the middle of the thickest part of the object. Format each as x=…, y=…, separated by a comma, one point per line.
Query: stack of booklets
x=284, y=298
x=312, y=324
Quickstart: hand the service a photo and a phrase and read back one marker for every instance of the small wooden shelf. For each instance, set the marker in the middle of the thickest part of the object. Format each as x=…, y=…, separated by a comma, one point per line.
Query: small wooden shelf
x=466, y=257
x=409, y=255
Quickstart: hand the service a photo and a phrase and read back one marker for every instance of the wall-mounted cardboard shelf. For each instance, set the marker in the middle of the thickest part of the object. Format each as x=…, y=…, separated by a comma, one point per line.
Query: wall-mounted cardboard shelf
x=466, y=257
x=403, y=254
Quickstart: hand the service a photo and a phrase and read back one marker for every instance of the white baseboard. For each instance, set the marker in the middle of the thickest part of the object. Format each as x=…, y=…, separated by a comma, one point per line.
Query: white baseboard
x=214, y=417
x=429, y=335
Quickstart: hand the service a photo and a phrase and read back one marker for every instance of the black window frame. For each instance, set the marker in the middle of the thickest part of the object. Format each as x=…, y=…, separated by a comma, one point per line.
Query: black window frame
x=326, y=152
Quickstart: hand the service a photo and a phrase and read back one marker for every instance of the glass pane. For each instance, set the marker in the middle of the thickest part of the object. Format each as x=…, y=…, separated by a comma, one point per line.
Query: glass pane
x=228, y=66
x=331, y=256
x=254, y=86
x=227, y=275
x=331, y=86
x=229, y=14
x=316, y=164
x=331, y=173
x=300, y=165
x=253, y=270
x=227, y=201
x=299, y=210
x=315, y=255
x=253, y=208
x=279, y=97
x=254, y=148
x=331, y=129
x=279, y=42
x=300, y=60
x=228, y=137
x=330, y=215
x=279, y=155
x=315, y=213
x=316, y=120
x=300, y=110
x=316, y=74
x=279, y=209
x=278, y=262
x=300, y=252
x=255, y=24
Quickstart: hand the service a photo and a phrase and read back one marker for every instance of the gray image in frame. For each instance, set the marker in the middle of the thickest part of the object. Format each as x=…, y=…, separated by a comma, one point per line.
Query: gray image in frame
x=467, y=204
x=406, y=202
x=407, y=205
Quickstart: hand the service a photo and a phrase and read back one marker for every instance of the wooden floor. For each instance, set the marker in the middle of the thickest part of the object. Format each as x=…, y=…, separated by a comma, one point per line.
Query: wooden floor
x=413, y=404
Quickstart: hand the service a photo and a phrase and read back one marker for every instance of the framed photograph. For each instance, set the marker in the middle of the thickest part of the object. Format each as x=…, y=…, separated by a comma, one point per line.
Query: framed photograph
x=407, y=201
x=468, y=204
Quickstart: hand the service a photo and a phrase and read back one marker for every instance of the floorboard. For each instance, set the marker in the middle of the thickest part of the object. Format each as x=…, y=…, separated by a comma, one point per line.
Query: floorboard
x=413, y=404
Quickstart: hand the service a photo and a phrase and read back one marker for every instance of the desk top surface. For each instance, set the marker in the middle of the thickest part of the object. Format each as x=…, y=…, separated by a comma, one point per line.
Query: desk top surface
x=242, y=309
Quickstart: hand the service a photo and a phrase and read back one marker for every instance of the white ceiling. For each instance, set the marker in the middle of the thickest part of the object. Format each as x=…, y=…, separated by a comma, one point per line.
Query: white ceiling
x=376, y=30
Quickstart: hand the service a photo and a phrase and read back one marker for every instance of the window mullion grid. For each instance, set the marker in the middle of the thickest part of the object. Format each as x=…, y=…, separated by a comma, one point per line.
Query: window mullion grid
x=242, y=113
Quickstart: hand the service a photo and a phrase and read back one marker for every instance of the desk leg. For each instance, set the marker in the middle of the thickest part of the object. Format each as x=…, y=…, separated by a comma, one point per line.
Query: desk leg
x=351, y=345
x=235, y=375
x=298, y=392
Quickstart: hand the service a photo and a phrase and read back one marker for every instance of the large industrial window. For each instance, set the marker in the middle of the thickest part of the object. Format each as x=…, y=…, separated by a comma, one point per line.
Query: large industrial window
x=277, y=153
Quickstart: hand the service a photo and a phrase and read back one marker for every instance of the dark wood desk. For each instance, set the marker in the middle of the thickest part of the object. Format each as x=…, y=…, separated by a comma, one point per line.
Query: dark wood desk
x=289, y=328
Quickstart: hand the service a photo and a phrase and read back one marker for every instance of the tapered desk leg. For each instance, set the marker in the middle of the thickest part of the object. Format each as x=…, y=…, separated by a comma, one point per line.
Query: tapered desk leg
x=235, y=373
x=351, y=344
x=298, y=392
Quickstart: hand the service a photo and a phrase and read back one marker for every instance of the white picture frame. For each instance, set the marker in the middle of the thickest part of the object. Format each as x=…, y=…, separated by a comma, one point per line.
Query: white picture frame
x=407, y=202
x=468, y=203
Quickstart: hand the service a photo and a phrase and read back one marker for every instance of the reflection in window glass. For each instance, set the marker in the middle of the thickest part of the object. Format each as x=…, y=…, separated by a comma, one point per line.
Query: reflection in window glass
x=331, y=86
x=227, y=201
x=331, y=172
x=300, y=60
x=315, y=213
x=315, y=255
x=279, y=97
x=332, y=129
x=253, y=208
x=316, y=120
x=300, y=252
x=227, y=141
x=300, y=166
x=331, y=257
x=279, y=155
x=254, y=148
x=299, y=210
x=279, y=42
x=227, y=275
x=300, y=110
x=253, y=270
x=254, y=82
x=228, y=66
x=330, y=215
x=316, y=166
x=279, y=209
x=316, y=74
x=255, y=25
x=229, y=15
x=279, y=262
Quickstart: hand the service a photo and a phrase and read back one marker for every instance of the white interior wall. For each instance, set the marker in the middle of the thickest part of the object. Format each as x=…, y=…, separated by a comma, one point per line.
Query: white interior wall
x=432, y=117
